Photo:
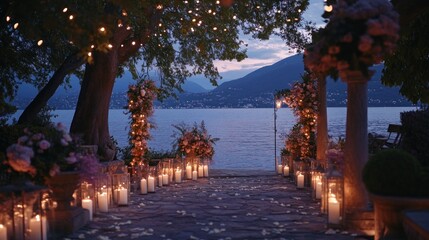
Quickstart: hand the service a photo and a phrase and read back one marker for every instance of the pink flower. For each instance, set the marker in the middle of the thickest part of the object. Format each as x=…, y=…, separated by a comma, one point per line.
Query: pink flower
x=64, y=142
x=23, y=139
x=55, y=169
x=19, y=158
x=44, y=144
x=365, y=43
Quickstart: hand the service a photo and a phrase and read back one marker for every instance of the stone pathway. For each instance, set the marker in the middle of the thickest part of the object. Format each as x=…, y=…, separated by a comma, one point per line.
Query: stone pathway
x=228, y=205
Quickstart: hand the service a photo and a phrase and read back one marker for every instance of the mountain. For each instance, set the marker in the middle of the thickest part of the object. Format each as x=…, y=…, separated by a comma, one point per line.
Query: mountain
x=256, y=89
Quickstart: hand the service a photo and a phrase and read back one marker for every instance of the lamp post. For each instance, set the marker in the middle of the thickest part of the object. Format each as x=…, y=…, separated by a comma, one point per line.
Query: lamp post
x=277, y=105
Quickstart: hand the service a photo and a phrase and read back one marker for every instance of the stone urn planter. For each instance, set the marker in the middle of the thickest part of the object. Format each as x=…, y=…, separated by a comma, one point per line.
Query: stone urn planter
x=389, y=217
x=65, y=219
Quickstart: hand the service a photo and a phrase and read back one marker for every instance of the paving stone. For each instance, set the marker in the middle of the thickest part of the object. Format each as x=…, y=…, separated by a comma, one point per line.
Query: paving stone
x=228, y=205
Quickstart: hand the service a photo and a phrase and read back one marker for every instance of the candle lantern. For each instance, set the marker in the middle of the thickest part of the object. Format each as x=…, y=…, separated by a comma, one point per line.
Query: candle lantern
x=333, y=197
x=23, y=212
x=178, y=170
x=121, y=186
x=206, y=163
x=279, y=166
x=87, y=197
x=103, y=192
x=297, y=168
x=152, y=178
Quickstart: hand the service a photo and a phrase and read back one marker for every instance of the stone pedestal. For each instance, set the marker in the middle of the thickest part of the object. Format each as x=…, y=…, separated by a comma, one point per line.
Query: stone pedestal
x=65, y=222
x=361, y=222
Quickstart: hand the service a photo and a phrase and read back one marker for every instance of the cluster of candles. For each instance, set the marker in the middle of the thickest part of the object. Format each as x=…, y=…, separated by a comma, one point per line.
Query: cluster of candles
x=322, y=190
x=37, y=229
x=167, y=176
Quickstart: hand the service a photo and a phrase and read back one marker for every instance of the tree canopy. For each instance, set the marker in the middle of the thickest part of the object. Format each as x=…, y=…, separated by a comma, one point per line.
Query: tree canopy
x=179, y=38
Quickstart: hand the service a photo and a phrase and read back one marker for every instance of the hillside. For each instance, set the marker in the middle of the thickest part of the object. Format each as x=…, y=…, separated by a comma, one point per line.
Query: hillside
x=257, y=88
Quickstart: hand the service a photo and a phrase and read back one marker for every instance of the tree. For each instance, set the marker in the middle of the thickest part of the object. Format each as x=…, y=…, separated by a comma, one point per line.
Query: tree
x=408, y=67
x=179, y=39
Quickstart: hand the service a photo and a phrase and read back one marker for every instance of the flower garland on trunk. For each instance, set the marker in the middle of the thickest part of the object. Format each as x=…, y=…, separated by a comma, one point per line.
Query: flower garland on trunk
x=360, y=33
x=140, y=107
x=302, y=99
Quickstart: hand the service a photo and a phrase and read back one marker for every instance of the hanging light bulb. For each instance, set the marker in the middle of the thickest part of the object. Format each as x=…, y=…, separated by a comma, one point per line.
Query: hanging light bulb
x=89, y=54
x=40, y=42
x=16, y=25
x=110, y=45
x=7, y=18
x=328, y=8
x=71, y=17
x=65, y=10
x=102, y=29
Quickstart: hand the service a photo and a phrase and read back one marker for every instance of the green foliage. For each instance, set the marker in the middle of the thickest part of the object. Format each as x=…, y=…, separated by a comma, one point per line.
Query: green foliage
x=393, y=172
x=415, y=140
x=178, y=38
x=408, y=67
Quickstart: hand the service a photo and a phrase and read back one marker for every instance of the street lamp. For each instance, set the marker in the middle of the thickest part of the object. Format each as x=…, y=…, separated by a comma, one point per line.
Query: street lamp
x=277, y=105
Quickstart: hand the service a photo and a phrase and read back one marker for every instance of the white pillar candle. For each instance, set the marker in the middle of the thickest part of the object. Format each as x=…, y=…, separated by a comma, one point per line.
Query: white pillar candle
x=170, y=174
x=151, y=184
x=3, y=232
x=200, y=171
x=123, y=196
x=160, y=180
x=300, y=181
x=194, y=175
x=279, y=169
x=286, y=170
x=143, y=186
x=164, y=179
x=103, y=205
x=188, y=172
x=206, y=170
x=178, y=175
x=333, y=210
x=37, y=228
x=87, y=204
x=318, y=189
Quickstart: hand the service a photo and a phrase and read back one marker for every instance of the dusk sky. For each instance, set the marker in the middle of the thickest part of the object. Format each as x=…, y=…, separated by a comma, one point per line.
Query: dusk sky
x=260, y=53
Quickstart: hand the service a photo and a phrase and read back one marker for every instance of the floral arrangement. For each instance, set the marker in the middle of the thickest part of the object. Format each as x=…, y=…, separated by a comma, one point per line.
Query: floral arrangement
x=335, y=153
x=194, y=141
x=140, y=107
x=302, y=99
x=47, y=152
x=359, y=33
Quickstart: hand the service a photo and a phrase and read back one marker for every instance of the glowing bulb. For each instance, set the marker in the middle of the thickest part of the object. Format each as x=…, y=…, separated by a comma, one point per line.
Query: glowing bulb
x=215, y=28
x=328, y=8
x=299, y=10
x=16, y=25
x=217, y=2
x=89, y=54
x=40, y=42
x=234, y=17
x=71, y=17
x=124, y=13
x=159, y=7
x=110, y=46
x=160, y=24
x=128, y=27
x=65, y=10
x=92, y=46
x=122, y=45
x=133, y=43
x=210, y=11
x=102, y=29
x=7, y=19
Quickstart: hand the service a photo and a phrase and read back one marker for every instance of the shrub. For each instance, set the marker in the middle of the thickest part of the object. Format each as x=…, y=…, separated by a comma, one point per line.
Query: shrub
x=393, y=172
x=415, y=125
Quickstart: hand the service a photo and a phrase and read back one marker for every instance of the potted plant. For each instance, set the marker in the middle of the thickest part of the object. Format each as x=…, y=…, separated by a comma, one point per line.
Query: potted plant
x=396, y=182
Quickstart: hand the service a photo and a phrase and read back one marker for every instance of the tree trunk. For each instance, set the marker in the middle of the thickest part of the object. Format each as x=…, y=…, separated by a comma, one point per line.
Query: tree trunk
x=322, y=121
x=90, y=120
x=30, y=112
x=356, y=146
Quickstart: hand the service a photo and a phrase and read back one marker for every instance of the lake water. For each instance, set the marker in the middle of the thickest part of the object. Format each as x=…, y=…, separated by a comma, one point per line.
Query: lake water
x=246, y=135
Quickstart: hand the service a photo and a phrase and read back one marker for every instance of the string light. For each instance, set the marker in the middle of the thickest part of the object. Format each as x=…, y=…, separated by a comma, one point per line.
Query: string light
x=234, y=17
x=133, y=43
x=7, y=19
x=102, y=29
x=89, y=54
x=71, y=17
x=16, y=25
x=128, y=28
x=328, y=8
x=159, y=7
x=40, y=42
x=65, y=10
x=92, y=46
x=215, y=28
x=110, y=45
